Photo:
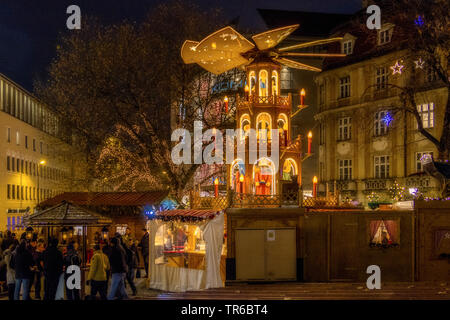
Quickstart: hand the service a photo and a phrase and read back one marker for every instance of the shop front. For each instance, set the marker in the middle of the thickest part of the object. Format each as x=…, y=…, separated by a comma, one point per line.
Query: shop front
x=187, y=250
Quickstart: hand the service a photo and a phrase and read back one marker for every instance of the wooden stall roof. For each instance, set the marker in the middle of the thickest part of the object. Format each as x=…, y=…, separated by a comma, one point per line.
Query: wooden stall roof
x=108, y=198
x=187, y=214
x=67, y=214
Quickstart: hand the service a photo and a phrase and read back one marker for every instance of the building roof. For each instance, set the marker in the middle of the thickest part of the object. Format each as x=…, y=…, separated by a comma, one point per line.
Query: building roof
x=187, y=214
x=108, y=198
x=66, y=213
x=312, y=24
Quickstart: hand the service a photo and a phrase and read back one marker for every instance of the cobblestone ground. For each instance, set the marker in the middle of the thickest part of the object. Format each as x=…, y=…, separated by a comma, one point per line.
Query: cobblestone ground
x=303, y=291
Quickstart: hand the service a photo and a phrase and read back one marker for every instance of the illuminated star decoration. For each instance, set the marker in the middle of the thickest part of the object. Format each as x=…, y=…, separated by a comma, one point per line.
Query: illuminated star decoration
x=387, y=119
x=397, y=68
x=419, y=63
x=419, y=21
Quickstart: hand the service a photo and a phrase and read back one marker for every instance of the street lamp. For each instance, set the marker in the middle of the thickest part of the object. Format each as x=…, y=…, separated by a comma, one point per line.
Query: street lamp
x=41, y=163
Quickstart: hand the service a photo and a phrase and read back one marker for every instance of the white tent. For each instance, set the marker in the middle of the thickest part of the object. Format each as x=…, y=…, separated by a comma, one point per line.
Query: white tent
x=180, y=279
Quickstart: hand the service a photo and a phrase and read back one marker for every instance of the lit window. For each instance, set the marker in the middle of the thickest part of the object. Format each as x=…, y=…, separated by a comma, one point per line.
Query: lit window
x=384, y=233
x=275, y=83
x=263, y=90
x=344, y=86
x=382, y=78
x=17, y=137
x=381, y=167
x=380, y=125
x=345, y=169
x=345, y=128
x=419, y=156
x=426, y=112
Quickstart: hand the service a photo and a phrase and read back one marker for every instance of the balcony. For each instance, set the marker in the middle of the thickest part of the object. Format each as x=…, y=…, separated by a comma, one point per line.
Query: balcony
x=264, y=101
x=377, y=184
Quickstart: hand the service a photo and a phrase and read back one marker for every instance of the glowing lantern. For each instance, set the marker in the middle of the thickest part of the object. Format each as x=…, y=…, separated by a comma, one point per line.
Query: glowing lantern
x=105, y=232
x=29, y=232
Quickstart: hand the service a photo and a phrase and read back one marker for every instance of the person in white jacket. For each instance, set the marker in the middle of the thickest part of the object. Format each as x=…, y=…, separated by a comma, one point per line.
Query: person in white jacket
x=10, y=272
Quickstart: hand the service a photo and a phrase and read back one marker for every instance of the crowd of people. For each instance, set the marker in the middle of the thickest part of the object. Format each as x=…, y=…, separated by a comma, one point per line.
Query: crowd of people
x=30, y=260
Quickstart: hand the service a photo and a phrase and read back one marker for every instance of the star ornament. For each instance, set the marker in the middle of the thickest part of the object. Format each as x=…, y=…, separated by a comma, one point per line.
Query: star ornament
x=419, y=63
x=397, y=67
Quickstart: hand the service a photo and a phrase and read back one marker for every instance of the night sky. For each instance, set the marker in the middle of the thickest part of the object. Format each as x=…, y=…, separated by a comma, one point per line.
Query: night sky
x=29, y=29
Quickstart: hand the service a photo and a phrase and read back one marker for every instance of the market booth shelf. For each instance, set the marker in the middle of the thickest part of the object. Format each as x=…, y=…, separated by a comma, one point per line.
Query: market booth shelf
x=186, y=250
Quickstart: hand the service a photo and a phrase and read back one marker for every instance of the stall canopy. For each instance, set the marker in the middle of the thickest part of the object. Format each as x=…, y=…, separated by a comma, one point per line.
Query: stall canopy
x=167, y=277
x=66, y=214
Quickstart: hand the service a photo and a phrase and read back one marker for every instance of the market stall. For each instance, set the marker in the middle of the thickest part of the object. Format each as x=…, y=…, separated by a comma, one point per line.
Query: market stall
x=59, y=218
x=187, y=250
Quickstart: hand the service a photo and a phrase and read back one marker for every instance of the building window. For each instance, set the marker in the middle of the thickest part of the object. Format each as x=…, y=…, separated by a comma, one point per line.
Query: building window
x=345, y=128
x=41, y=147
x=34, y=144
x=431, y=74
x=347, y=47
x=287, y=81
x=17, y=137
x=384, y=233
x=382, y=167
x=26, y=142
x=419, y=156
x=380, y=126
x=382, y=78
x=13, y=192
x=344, y=86
x=8, y=191
x=13, y=164
x=8, y=163
x=385, y=36
x=345, y=169
x=321, y=94
x=322, y=134
x=426, y=112
x=8, y=134
x=26, y=193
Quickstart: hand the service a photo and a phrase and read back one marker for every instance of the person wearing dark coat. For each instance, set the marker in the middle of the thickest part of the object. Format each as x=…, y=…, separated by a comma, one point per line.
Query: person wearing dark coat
x=144, y=245
x=132, y=262
x=23, y=266
x=53, y=267
x=119, y=270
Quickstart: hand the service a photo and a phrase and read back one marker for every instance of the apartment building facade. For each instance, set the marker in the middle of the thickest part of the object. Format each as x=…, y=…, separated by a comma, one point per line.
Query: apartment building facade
x=37, y=159
x=368, y=143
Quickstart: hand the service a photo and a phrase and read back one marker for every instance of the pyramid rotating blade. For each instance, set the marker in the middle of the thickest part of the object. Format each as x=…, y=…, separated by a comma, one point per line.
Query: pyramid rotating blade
x=220, y=66
x=296, y=65
x=271, y=38
x=188, y=52
x=310, y=44
x=308, y=54
x=222, y=50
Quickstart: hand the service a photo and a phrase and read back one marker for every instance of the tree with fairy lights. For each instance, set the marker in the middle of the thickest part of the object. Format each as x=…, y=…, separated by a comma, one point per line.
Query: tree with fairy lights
x=122, y=87
x=397, y=192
